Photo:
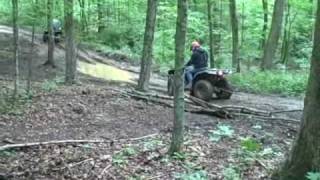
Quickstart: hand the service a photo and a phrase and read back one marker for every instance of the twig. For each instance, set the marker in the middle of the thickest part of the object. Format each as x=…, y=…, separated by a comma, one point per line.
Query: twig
x=78, y=163
x=105, y=170
x=262, y=164
x=10, y=146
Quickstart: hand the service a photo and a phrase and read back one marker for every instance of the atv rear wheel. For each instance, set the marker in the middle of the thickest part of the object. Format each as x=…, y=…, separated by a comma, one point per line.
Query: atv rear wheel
x=170, y=85
x=203, y=89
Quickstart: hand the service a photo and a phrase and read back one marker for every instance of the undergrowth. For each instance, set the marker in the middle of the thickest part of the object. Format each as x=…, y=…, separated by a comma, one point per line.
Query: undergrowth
x=271, y=82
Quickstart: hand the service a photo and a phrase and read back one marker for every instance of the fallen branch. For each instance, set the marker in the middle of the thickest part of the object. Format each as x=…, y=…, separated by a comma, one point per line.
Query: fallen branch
x=285, y=111
x=294, y=121
x=10, y=146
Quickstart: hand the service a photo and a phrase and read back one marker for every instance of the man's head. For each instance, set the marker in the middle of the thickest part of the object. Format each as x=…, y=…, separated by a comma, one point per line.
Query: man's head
x=195, y=45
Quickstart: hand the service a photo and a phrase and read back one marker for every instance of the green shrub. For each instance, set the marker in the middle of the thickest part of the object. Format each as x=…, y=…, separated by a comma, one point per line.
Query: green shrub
x=285, y=83
x=313, y=176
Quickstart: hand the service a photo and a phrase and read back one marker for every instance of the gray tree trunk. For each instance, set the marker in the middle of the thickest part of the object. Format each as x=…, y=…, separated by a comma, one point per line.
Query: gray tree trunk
x=305, y=154
x=50, y=60
x=211, y=39
x=235, y=35
x=180, y=41
x=15, y=44
x=265, y=23
x=274, y=35
x=71, y=61
x=146, y=61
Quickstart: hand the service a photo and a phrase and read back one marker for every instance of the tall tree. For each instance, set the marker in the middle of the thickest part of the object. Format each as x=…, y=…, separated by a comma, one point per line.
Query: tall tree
x=71, y=61
x=274, y=35
x=305, y=154
x=235, y=35
x=15, y=44
x=83, y=16
x=146, y=61
x=50, y=60
x=265, y=22
x=30, y=59
x=211, y=39
x=100, y=6
x=180, y=41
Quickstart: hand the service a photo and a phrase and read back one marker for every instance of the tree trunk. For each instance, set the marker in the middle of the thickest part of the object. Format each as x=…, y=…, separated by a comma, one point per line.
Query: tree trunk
x=235, y=35
x=50, y=60
x=146, y=61
x=31, y=59
x=100, y=4
x=305, y=154
x=285, y=41
x=274, y=35
x=211, y=41
x=71, y=63
x=265, y=23
x=180, y=41
x=83, y=17
x=15, y=44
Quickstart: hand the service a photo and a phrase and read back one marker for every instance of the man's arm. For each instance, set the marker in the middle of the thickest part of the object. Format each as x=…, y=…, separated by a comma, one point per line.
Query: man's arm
x=193, y=59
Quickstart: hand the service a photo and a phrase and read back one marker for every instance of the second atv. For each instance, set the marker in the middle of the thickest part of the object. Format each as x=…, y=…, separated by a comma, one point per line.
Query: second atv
x=205, y=83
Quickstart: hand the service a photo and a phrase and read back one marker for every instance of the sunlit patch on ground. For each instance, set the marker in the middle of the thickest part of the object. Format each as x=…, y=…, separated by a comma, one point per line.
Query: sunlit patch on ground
x=103, y=71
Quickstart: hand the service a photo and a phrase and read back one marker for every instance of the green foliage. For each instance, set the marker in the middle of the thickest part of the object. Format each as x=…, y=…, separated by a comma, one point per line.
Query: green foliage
x=231, y=173
x=13, y=105
x=52, y=85
x=286, y=83
x=121, y=158
x=8, y=153
x=313, y=176
x=221, y=132
x=197, y=175
x=152, y=144
x=251, y=145
x=181, y=156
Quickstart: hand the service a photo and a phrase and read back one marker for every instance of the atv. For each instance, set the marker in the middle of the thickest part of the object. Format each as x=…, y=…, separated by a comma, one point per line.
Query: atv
x=205, y=83
x=57, y=36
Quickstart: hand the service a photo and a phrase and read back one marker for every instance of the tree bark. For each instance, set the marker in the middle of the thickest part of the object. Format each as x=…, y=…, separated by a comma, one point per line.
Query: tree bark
x=274, y=35
x=31, y=59
x=265, y=23
x=305, y=154
x=100, y=15
x=83, y=17
x=180, y=41
x=50, y=60
x=235, y=35
x=285, y=41
x=15, y=45
x=71, y=61
x=211, y=41
x=146, y=61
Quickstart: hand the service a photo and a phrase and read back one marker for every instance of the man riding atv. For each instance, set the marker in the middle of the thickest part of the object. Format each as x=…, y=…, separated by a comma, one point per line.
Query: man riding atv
x=197, y=62
x=201, y=81
x=57, y=31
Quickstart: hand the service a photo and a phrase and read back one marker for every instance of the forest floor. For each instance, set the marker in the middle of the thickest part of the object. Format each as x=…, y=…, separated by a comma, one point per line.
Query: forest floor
x=136, y=133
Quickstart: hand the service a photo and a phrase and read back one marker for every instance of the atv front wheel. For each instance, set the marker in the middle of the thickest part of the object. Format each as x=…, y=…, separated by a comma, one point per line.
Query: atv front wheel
x=225, y=91
x=203, y=89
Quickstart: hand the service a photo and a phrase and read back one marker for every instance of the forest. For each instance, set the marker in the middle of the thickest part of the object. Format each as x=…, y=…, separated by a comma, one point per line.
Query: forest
x=160, y=89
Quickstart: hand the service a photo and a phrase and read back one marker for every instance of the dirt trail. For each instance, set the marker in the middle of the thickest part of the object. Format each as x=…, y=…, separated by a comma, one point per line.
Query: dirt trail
x=98, y=110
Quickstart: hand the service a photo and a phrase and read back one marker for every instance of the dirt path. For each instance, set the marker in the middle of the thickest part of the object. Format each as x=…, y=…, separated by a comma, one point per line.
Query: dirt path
x=100, y=111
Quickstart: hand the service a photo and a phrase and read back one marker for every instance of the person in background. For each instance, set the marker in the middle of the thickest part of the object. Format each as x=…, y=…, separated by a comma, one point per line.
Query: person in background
x=197, y=62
